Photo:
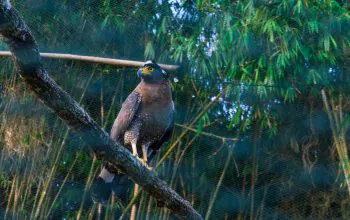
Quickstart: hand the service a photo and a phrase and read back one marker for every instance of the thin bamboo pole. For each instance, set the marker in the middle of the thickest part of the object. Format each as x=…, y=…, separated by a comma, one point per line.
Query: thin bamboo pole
x=213, y=198
x=134, y=208
x=61, y=187
x=103, y=60
x=339, y=131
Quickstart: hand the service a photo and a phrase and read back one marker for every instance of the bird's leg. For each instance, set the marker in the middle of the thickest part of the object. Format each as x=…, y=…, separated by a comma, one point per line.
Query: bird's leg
x=145, y=153
x=134, y=149
x=134, y=153
x=136, y=188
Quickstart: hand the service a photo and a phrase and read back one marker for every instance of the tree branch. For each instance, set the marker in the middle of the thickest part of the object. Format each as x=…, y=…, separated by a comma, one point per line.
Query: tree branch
x=28, y=64
x=103, y=60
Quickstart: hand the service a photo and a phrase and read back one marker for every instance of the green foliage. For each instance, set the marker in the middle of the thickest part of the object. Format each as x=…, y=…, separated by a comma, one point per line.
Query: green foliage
x=270, y=59
x=4, y=181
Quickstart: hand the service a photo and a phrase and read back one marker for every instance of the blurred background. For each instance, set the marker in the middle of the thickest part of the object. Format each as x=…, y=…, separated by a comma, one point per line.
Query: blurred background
x=262, y=107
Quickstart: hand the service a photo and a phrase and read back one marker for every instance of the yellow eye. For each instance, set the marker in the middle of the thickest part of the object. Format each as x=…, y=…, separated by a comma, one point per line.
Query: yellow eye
x=147, y=70
x=150, y=68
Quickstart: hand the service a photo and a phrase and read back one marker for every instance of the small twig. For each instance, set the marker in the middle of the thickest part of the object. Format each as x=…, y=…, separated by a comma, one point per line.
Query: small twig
x=207, y=134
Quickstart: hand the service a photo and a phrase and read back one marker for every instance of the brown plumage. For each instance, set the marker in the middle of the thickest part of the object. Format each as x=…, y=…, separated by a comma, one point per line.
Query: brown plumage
x=145, y=117
x=144, y=122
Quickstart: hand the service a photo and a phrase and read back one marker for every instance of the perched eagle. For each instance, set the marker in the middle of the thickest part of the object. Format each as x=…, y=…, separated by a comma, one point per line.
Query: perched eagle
x=144, y=123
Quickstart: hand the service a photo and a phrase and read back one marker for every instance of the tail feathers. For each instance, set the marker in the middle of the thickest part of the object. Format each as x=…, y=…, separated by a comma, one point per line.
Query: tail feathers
x=101, y=191
x=121, y=186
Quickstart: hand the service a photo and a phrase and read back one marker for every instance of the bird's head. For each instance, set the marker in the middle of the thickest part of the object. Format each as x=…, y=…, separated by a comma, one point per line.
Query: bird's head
x=152, y=72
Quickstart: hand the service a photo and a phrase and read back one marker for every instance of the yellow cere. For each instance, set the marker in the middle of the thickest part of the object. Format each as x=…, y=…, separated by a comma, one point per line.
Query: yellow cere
x=147, y=70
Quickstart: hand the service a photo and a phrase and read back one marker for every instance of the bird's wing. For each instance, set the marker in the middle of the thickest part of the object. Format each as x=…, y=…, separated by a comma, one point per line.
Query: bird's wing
x=126, y=115
x=167, y=134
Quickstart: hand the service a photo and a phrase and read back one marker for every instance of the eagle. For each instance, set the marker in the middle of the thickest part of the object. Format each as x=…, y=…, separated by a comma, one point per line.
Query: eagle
x=144, y=123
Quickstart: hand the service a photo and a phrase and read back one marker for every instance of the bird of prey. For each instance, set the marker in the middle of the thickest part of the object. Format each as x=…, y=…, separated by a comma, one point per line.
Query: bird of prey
x=144, y=123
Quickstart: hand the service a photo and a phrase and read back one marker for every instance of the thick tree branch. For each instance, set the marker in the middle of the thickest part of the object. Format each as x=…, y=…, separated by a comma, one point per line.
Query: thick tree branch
x=27, y=62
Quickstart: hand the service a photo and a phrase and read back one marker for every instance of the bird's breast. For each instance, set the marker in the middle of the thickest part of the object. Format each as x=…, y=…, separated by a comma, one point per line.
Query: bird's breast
x=156, y=109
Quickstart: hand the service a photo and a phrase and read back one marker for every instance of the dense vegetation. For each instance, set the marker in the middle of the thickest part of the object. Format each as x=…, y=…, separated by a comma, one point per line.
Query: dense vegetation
x=274, y=145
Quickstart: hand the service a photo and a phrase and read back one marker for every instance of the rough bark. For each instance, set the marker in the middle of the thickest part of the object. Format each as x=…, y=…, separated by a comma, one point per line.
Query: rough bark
x=28, y=64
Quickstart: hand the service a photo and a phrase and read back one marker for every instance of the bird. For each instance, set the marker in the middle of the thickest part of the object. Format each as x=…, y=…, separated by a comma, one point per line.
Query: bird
x=144, y=123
